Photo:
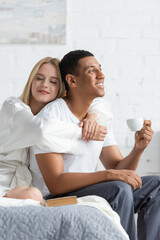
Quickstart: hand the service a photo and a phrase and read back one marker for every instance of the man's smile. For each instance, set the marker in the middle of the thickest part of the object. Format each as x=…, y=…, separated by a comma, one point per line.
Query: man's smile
x=100, y=84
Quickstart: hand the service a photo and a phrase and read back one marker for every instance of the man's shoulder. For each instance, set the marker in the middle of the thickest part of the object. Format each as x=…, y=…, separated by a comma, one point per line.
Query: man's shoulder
x=54, y=104
x=52, y=108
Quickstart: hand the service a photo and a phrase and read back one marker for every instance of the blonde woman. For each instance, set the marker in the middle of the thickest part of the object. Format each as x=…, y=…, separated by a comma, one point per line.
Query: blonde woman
x=20, y=128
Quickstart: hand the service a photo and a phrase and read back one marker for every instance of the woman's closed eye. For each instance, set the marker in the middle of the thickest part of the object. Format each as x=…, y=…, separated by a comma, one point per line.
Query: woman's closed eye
x=54, y=82
x=39, y=78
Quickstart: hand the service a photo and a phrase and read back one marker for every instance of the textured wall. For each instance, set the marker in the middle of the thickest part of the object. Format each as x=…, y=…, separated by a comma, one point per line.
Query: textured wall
x=125, y=37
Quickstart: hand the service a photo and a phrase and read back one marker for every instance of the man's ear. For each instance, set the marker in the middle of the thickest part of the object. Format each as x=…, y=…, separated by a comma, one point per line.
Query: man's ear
x=71, y=80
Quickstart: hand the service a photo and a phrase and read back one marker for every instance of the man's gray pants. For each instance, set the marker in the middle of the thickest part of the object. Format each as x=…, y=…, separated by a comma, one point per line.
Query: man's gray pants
x=145, y=201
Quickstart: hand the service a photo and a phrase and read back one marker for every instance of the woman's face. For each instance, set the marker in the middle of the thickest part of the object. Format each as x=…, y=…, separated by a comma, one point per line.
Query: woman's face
x=45, y=85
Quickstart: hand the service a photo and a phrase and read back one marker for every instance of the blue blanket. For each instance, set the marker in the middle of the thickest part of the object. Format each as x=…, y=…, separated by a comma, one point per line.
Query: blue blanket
x=56, y=223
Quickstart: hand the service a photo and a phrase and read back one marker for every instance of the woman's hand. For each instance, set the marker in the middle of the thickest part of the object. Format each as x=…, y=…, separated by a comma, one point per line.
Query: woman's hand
x=91, y=129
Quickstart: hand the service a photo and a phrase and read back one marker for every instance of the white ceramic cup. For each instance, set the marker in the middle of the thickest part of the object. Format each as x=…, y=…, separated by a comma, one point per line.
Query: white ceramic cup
x=135, y=124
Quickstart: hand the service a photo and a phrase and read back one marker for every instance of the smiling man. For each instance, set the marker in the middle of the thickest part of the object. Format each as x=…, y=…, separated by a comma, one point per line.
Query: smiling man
x=75, y=174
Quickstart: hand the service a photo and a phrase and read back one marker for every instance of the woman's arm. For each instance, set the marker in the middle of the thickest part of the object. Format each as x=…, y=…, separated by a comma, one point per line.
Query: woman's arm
x=101, y=107
x=17, y=125
x=91, y=130
x=19, y=128
x=98, y=117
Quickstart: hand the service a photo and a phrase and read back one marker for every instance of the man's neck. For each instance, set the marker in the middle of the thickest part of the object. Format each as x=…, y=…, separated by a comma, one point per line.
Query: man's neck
x=78, y=105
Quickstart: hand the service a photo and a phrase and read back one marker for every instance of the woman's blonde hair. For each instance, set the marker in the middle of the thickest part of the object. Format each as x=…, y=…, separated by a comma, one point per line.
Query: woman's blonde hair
x=25, y=97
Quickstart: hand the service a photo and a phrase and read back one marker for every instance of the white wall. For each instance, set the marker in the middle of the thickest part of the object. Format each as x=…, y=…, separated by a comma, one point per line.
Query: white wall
x=124, y=35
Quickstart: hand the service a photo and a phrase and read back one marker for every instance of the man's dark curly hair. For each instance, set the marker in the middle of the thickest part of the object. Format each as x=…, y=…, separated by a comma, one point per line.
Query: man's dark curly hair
x=69, y=63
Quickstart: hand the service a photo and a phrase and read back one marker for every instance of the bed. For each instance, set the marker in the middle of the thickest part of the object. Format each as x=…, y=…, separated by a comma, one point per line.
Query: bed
x=87, y=220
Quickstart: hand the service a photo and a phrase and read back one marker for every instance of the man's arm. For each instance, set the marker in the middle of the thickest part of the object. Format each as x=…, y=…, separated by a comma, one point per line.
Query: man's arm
x=118, y=168
x=52, y=169
x=113, y=159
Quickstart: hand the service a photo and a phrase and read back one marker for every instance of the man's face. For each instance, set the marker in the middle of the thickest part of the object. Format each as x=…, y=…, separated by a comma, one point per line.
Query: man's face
x=90, y=79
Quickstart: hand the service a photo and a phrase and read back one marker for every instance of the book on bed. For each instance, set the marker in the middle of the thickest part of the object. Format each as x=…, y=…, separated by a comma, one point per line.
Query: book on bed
x=54, y=202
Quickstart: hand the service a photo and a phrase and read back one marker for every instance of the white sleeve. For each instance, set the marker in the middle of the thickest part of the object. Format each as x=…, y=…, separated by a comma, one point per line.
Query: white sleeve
x=101, y=107
x=79, y=146
x=58, y=136
x=19, y=128
x=109, y=139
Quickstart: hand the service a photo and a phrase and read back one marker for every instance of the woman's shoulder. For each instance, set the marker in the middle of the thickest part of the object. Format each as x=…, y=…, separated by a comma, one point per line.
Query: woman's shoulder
x=12, y=100
x=14, y=103
x=9, y=103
